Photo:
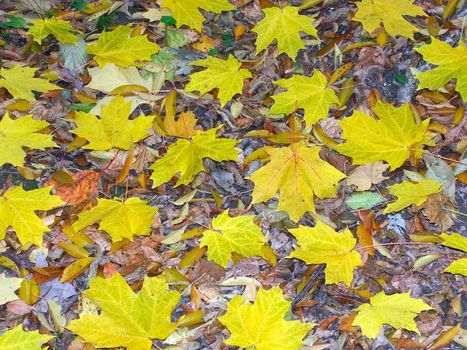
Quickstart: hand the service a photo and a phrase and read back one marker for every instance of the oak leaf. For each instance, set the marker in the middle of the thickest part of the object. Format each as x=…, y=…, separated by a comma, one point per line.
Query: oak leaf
x=409, y=193
x=456, y=241
x=8, y=286
x=396, y=310
x=20, y=82
x=322, y=245
x=232, y=234
x=185, y=157
x=114, y=128
x=127, y=319
x=283, y=25
x=224, y=75
x=373, y=13
x=118, y=47
x=60, y=29
x=16, y=338
x=451, y=62
x=261, y=326
x=15, y=134
x=393, y=137
x=17, y=209
x=308, y=93
x=187, y=11
x=119, y=219
x=298, y=173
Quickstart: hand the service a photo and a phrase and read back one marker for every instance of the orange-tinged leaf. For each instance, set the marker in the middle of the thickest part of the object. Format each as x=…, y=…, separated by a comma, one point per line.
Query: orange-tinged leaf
x=184, y=126
x=127, y=165
x=75, y=269
x=340, y=73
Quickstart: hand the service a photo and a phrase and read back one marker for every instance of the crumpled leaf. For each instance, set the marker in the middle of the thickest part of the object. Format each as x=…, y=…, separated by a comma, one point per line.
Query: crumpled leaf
x=322, y=245
x=120, y=220
x=8, y=286
x=298, y=173
x=366, y=175
x=308, y=93
x=409, y=193
x=60, y=29
x=261, y=326
x=220, y=74
x=15, y=134
x=16, y=339
x=283, y=25
x=397, y=310
x=127, y=319
x=232, y=234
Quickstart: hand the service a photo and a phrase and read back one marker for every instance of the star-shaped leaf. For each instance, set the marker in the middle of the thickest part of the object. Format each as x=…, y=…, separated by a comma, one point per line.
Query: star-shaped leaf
x=220, y=74
x=307, y=93
x=185, y=157
x=15, y=134
x=187, y=11
x=17, y=209
x=119, y=219
x=114, y=128
x=322, y=245
x=373, y=13
x=118, y=47
x=261, y=326
x=60, y=29
x=392, y=137
x=16, y=338
x=20, y=82
x=239, y=234
x=298, y=173
x=283, y=25
x=127, y=319
x=397, y=310
x=451, y=62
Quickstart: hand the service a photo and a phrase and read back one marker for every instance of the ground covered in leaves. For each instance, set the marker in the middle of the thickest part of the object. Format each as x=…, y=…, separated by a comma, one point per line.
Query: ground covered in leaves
x=213, y=174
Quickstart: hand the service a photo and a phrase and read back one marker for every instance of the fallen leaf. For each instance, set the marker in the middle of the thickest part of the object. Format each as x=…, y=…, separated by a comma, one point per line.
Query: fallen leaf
x=366, y=175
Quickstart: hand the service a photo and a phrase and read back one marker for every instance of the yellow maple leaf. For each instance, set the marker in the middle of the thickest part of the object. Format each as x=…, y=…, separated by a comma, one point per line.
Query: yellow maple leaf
x=220, y=74
x=119, y=219
x=456, y=241
x=298, y=173
x=262, y=325
x=396, y=310
x=127, y=319
x=373, y=13
x=186, y=12
x=16, y=338
x=118, y=47
x=18, y=133
x=322, y=245
x=458, y=266
x=114, y=128
x=239, y=234
x=184, y=126
x=17, y=209
x=409, y=193
x=392, y=137
x=283, y=25
x=186, y=157
x=20, y=82
x=451, y=62
x=308, y=93
x=60, y=29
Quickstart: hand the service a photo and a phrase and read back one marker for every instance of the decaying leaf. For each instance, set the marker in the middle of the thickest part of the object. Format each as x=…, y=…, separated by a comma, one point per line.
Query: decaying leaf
x=366, y=175
x=8, y=286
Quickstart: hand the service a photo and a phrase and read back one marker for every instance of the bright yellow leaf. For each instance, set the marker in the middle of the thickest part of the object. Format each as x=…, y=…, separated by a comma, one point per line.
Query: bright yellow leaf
x=60, y=29
x=283, y=25
x=118, y=47
x=451, y=62
x=456, y=241
x=307, y=93
x=17, y=210
x=239, y=234
x=127, y=319
x=396, y=310
x=392, y=137
x=8, y=286
x=185, y=157
x=458, y=266
x=119, y=219
x=220, y=74
x=20, y=82
x=409, y=193
x=298, y=173
x=373, y=13
x=114, y=128
x=187, y=11
x=322, y=245
x=261, y=326
x=18, y=133
x=16, y=339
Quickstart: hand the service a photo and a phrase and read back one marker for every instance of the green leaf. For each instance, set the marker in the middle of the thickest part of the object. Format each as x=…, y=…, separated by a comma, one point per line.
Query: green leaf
x=364, y=200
